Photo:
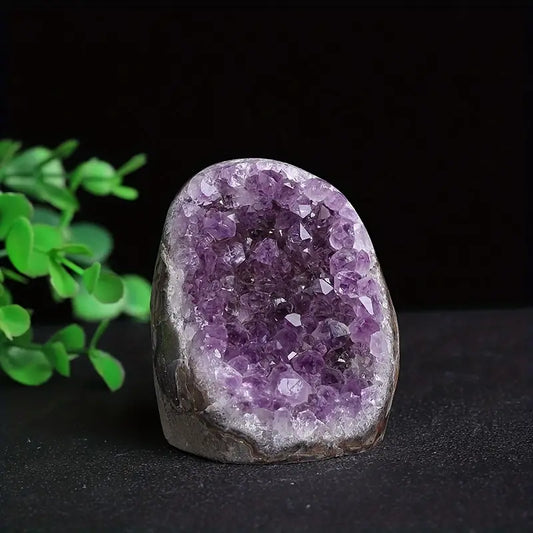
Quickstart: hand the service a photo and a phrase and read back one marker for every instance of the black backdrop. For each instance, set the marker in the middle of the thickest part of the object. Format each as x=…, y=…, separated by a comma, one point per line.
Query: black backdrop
x=418, y=116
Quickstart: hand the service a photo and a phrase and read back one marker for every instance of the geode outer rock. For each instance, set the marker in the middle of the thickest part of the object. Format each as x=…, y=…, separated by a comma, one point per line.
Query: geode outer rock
x=274, y=335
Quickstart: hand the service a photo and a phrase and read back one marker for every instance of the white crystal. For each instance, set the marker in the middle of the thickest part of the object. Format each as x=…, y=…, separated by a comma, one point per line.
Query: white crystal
x=304, y=210
x=294, y=319
x=367, y=302
x=304, y=234
x=325, y=287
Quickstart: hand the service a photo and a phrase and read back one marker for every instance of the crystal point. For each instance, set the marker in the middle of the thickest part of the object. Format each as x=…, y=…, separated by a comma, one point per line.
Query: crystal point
x=274, y=335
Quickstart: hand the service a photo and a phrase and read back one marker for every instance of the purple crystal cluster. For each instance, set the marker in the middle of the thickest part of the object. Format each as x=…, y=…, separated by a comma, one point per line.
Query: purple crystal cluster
x=282, y=318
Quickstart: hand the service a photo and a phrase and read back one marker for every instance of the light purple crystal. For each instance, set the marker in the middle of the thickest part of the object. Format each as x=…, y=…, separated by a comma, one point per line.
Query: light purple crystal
x=274, y=334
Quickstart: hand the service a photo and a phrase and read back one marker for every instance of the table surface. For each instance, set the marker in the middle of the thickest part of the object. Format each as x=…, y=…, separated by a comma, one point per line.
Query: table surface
x=457, y=453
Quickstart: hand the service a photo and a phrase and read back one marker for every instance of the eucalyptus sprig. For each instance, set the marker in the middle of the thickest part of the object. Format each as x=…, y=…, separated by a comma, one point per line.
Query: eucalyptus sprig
x=41, y=240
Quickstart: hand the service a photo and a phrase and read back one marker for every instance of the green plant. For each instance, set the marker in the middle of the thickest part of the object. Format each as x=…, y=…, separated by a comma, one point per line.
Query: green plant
x=41, y=240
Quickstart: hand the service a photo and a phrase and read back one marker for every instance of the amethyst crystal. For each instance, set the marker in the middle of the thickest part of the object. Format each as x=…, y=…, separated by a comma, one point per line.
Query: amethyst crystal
x=274, y=335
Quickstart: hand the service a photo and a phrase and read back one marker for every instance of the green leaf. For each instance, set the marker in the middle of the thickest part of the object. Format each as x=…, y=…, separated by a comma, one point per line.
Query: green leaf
x=90, y=277
x=5, y=296
x=100, y=187
x=95, y=237
x=61, y=280
x=86, y=307
x=25, y=339
x=26, y=173
x=28, y=366
x=60, y=198
x=75, y=249
x=109, y=368
x=46, y=237
x=45, y=215
x=15, y=276
x=109, y=288
x=19, y=244
x=96, y=176
x=136, y=162
x=58, y=356
x=12, y=206
x=66, y=149
x=126, y=193
x=8, y=149
x=55, y=296
x=14, y=320
x=72, y=337
x=136, y=296
x=38, y=264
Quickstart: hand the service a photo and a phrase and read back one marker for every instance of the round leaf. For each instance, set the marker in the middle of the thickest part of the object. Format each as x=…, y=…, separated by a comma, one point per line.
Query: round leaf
x=86, y=307
x=38, y=264
x=58, y=356
x=12, y=206
x=19, y=244
x=72, y=337
x=45, y=215
x=109, y=368
x=25, y=339
x=136, y=296
x=109, y=288
x=20, y=238
x=96, y=176
x=62, y=281
x=90, y=277
x=14, y=320
x=28, y=366
x=46, y=237
x=95, y=237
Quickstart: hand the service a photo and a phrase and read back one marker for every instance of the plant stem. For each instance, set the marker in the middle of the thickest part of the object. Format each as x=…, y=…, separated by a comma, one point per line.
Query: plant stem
x=66, y=218
x=98, y=333
x=73, y=266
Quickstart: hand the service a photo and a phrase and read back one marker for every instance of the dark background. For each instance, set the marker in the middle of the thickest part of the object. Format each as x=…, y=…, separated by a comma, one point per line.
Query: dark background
x=417, y=115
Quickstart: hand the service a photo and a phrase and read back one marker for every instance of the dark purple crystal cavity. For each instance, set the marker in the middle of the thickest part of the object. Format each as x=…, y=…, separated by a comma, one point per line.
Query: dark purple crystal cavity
x=274, y=334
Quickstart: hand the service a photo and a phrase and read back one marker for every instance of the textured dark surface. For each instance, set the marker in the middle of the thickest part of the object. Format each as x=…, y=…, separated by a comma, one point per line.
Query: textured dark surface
x=457, y=454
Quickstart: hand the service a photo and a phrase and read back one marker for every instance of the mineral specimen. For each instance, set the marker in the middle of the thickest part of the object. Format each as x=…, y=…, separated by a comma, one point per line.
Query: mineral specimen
x=274, y=335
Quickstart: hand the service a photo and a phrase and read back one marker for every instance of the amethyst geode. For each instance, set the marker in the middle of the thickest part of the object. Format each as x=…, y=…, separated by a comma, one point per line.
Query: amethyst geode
x=274, y=335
